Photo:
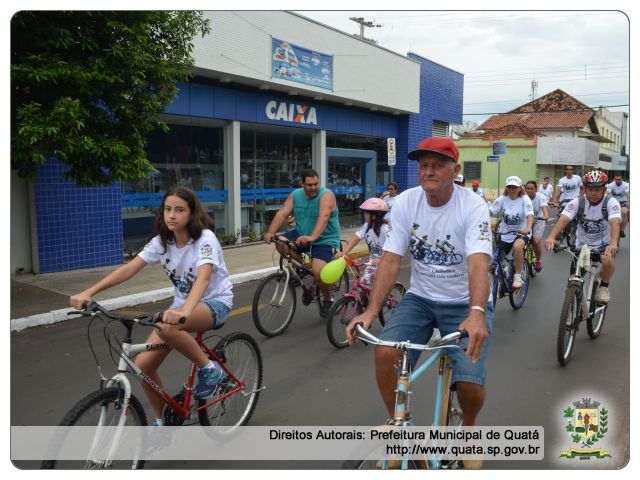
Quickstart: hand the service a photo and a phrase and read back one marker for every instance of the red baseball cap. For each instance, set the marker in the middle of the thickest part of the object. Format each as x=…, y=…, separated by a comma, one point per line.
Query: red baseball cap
x=475, y=183
x=443, y=146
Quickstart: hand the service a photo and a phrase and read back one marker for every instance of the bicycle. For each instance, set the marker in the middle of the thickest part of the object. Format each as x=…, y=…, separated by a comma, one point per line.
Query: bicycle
x=274, y=303
x=579, y=302
x=113, y=404
x=529, y=253
x=447, y=411
x=502, y=270
x=568, y=233
x=355, y=302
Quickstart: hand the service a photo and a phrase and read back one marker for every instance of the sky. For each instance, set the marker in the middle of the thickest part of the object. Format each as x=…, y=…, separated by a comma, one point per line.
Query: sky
x=585, y=53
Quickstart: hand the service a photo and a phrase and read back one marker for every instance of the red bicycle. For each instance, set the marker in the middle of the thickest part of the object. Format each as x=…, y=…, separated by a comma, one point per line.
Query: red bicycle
x=113, y=404
x=355, y=302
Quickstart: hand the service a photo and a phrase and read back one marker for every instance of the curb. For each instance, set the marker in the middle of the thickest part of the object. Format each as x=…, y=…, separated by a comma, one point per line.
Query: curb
x=55, y=316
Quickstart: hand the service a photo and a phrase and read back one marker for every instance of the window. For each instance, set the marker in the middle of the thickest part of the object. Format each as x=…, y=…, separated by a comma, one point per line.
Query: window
x=440, y=129
x=472, y=170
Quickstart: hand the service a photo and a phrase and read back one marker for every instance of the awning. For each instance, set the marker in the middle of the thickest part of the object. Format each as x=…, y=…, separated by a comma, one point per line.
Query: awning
x=596, y=137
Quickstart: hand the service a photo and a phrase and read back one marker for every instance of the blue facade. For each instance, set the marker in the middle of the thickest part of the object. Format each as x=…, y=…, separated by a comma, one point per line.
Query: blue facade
x=77, y=227
x=441, y=94
x=82, y=227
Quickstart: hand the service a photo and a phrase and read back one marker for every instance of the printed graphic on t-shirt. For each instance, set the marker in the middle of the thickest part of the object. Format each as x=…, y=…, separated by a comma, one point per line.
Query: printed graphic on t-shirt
x=441, y=253
x=374, y=248
x=512, y=220
x=206, y=251
x=593, y=227
x=484, y=231
x=184, y=283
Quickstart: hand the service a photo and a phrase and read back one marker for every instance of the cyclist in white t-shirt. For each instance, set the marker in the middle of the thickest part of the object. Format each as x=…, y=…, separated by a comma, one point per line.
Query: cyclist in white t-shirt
x=546, y=189
x=540, y=217
x=389, y=196
x=183, y=242
x=569, y=187
x=593, y=230
x=620, y=191
x=517, y=214
x=373, y=232
x=475, y=187
x=446, y=230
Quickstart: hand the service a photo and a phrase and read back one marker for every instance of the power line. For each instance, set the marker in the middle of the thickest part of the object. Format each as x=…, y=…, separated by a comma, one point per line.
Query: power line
x=559, y=66
x=553, y=80
x=581, y=69
x=528, y=100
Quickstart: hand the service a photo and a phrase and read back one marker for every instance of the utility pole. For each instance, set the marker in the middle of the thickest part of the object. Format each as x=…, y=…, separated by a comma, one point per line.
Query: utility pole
x=364, y=23
x=534, y=89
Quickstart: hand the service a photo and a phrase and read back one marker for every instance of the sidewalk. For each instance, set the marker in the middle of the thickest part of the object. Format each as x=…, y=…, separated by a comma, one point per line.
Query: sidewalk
x=44, y=299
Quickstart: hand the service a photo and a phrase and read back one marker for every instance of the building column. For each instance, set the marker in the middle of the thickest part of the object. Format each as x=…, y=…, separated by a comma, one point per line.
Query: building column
x=232, y=177
x=319, y=155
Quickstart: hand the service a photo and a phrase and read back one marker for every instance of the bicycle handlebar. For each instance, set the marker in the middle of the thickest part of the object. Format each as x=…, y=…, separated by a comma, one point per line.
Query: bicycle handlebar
x=93, y=308
x=367, y=337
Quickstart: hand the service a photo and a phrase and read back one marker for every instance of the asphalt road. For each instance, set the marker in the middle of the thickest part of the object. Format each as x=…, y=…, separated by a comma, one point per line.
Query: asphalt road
x=311, y=383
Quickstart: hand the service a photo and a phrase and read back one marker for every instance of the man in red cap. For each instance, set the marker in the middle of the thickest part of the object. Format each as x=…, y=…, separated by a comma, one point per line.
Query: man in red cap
x=475, y=186
x=446, y=229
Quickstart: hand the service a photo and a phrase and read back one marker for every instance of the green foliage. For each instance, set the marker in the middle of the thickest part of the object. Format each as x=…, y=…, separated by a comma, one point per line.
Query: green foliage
x=231, y=239
x=568, y=412
x=87, y=87
x=252, y=236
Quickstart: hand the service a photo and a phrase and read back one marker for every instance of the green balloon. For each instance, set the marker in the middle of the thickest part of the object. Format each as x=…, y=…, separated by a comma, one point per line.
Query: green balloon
x=332, y=271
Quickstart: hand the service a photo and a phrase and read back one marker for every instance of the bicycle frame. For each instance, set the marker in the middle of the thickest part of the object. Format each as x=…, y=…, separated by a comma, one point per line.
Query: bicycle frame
x=577, y=277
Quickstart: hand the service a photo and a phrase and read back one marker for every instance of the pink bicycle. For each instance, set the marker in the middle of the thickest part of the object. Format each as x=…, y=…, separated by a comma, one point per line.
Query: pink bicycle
x=355, y=302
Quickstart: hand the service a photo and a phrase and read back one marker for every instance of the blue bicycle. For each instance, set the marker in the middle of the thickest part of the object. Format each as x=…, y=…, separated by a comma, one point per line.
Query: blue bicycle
x=447, y=411
x=502, y=270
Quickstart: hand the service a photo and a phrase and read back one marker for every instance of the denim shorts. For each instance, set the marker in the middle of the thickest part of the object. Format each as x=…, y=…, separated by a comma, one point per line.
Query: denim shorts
x=415, y=318
x=321, y=252
x=219, y=312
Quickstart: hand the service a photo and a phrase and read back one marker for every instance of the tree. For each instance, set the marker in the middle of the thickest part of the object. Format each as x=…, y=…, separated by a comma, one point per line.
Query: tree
x=87, y=87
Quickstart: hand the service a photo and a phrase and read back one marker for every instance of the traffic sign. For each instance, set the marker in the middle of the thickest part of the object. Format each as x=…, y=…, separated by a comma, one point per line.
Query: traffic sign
x=493, y=158
x=391, y=151
x=499, y=148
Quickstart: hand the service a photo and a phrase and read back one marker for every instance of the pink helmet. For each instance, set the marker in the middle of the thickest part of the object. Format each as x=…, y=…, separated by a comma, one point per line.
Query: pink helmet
x=374, y=205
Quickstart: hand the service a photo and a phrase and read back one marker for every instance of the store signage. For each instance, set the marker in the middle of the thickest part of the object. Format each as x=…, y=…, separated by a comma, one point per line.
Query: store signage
x=298, y=64
x=499, y=148
x=291, y=112
x=391, y=151
x=493, y=158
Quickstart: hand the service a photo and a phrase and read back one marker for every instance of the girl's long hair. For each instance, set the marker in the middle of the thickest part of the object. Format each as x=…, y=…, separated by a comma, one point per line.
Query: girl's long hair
x=377, y=220
x=199, y=220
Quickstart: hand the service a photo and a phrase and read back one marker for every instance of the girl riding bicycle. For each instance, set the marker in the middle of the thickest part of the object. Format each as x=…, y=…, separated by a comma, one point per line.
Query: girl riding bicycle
x=374, y=232
x=517, y=214
x=541, y=215
x=184, y=243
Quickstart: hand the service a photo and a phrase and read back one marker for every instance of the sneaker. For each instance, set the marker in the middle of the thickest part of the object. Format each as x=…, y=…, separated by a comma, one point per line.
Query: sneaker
x=158, y=437
x=622, y=234
x=603, y=295
x=326, y=306
x=208, y=380
x=538, y=267
x=517, y=281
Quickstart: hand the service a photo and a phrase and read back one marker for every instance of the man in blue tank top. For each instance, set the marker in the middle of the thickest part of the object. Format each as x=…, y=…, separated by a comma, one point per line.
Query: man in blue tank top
x=317, y=228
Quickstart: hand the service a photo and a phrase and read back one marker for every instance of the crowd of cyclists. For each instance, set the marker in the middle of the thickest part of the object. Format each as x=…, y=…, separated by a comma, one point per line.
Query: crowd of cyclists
x=439, y=215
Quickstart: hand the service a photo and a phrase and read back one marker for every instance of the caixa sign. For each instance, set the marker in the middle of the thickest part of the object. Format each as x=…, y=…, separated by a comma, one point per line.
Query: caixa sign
x=291, y=112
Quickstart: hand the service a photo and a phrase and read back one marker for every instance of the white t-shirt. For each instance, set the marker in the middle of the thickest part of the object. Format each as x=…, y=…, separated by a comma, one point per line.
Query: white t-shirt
x=181, y=266
x=374, y=242
x=569, y=187
x=440, y=239
x=547, y=192
x=539, y=202
x=390, y=201
x=514, y=214
x=594, y=230
x=618, y=192
x=478, y=192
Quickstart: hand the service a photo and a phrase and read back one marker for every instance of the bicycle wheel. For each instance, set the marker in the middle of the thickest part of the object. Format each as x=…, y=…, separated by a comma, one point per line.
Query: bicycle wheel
x=341, y=313
x=517, y=297
x=100, y=408
x=595, y=320
x=274, y=305
x=568, y=325
x=241, y=355
x=450, y=413
x=393, y=299
x=494, y=281
x=338, y=289
x=530, y=258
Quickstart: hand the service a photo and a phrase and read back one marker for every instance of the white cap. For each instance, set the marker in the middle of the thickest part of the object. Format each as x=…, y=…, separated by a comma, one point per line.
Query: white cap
x=514, y=181
x=459, y=178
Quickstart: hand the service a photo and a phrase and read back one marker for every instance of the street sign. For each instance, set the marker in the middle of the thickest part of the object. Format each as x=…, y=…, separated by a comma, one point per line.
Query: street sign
x=493, y=158
x=499, y=148
x=391, y=151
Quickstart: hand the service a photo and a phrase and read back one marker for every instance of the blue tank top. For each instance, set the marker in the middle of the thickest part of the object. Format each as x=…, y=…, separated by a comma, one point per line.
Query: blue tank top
x=305, y=211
